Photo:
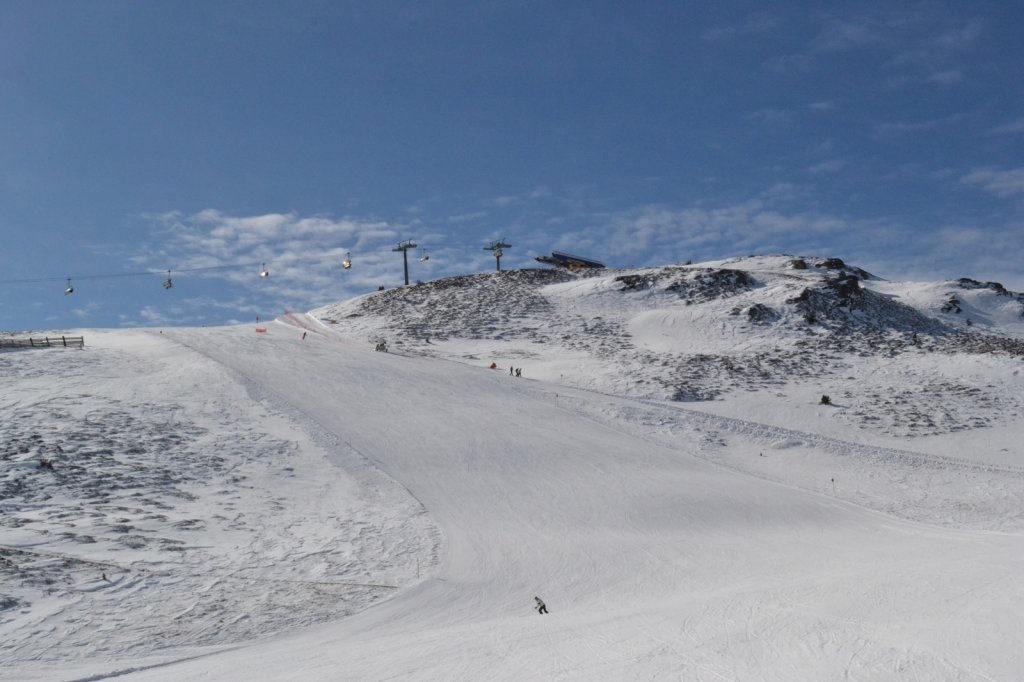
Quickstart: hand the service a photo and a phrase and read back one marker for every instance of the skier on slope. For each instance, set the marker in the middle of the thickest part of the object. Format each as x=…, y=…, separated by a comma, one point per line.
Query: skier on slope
x=540, y=606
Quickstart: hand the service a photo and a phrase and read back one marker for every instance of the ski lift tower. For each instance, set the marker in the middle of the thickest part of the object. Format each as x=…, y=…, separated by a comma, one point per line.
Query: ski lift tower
x=496, y=247
x=404, y=248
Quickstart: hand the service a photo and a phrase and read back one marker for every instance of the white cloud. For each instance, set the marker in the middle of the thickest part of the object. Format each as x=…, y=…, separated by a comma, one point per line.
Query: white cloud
x=915, y=46
x=949, y=77
x=754, y=24
x=936, y=58
x=959, y=250
x=789, y=63
x=466, y=217
x=770, y=116
x=899, y=127
x=86, y=311
x=831, y=166
x=961, y=37
x=838, y=35
x=151, y=316
x=893, y=128
x=1012, y=127
x=1002, y=183
x=781, y=192
x=674, y=234
x=303, y=253
x=942, y=174
x=504, y=201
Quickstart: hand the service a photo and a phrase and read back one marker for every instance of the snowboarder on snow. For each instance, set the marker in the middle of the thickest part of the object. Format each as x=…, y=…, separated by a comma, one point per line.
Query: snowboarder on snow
x=540, y=606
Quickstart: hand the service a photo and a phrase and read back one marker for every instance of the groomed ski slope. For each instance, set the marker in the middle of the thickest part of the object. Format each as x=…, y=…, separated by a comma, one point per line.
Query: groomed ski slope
x=654, y=563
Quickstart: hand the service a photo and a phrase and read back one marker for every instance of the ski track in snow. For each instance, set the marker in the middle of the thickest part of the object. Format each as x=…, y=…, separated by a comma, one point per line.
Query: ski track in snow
x=774, y=620
x=927, y=488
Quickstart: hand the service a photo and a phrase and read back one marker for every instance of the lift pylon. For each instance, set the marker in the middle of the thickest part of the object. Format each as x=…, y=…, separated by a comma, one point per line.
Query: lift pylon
x=496, y=247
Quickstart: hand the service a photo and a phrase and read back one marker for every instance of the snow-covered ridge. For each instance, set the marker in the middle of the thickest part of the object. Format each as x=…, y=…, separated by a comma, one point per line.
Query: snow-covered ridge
x=699, y=332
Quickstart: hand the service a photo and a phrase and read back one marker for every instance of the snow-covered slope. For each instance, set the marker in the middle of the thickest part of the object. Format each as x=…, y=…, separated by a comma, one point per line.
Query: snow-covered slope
x=216, y=493
x=175, y=491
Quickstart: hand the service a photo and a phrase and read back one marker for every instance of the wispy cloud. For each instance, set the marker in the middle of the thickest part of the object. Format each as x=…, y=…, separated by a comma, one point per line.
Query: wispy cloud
x=1002, y=183
x=302, y=253
x=770, y=116
x=961, y=37
x=935, y=57
x=849, y=33
x=949, y=77
x=674, y=234
x=830, y=166
x=960, y=250
x=753, y=24
x=506, y=200
x=150, y=316
x=900, y=127
x=466, y=217
x=913, y=46
x=211, y=237
x=1011, y=128
x=789, y=63
x=835, y=35
x=778, y=220
x=86, y=311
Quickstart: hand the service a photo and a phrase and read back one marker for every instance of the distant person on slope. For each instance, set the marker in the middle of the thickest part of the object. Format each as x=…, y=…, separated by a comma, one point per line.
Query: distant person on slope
x=540, y=606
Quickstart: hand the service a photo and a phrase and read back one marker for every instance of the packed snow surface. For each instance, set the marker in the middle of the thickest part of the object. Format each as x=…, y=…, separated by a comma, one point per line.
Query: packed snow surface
x=228, y=503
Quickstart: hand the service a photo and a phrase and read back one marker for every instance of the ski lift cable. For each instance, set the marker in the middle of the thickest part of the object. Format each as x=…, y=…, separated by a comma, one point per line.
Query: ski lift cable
x=347, y=263
x=154, y=273
x=116, y=275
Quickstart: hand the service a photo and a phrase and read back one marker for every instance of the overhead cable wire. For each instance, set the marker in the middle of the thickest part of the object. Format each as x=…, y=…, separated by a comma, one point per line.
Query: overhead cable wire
x=162, y=272
x=262, y=265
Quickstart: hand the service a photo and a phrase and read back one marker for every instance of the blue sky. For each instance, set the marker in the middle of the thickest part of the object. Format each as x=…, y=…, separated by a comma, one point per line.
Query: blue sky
x=140, y=136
